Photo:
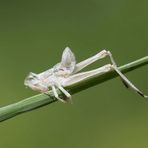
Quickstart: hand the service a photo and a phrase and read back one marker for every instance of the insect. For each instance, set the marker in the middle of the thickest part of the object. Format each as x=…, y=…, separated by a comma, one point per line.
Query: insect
x=66, y=73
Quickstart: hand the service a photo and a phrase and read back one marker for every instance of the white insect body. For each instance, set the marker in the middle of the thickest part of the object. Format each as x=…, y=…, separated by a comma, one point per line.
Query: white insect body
x=66, y=73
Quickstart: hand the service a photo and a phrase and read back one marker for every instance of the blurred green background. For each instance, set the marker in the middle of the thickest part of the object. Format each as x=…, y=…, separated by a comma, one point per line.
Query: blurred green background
x=33, y=35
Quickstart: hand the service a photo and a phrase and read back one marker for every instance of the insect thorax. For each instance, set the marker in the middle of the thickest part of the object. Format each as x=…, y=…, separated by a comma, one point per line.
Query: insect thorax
x=60, y=71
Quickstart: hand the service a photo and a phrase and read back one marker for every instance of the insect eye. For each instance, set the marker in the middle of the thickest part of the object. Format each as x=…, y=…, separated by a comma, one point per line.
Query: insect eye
x=30, y=78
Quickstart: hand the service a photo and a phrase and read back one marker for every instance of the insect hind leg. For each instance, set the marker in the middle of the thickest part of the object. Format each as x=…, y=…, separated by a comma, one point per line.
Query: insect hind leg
x=76, y=78
x=81, y=65
x=125, y=81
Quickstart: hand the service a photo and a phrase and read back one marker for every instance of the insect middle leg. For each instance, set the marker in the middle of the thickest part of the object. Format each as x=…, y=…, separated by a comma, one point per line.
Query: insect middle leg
x=56, y=94
x=65, y=92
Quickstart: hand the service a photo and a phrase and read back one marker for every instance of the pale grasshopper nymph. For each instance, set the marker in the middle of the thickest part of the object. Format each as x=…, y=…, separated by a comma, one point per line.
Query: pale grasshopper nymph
x=66, y=73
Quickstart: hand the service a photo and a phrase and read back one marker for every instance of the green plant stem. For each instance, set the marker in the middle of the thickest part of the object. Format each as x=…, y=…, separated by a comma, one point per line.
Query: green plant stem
x=40, y=100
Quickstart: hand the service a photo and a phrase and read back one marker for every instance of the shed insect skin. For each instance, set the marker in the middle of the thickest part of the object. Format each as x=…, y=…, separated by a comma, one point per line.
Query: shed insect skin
x=66, y=73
